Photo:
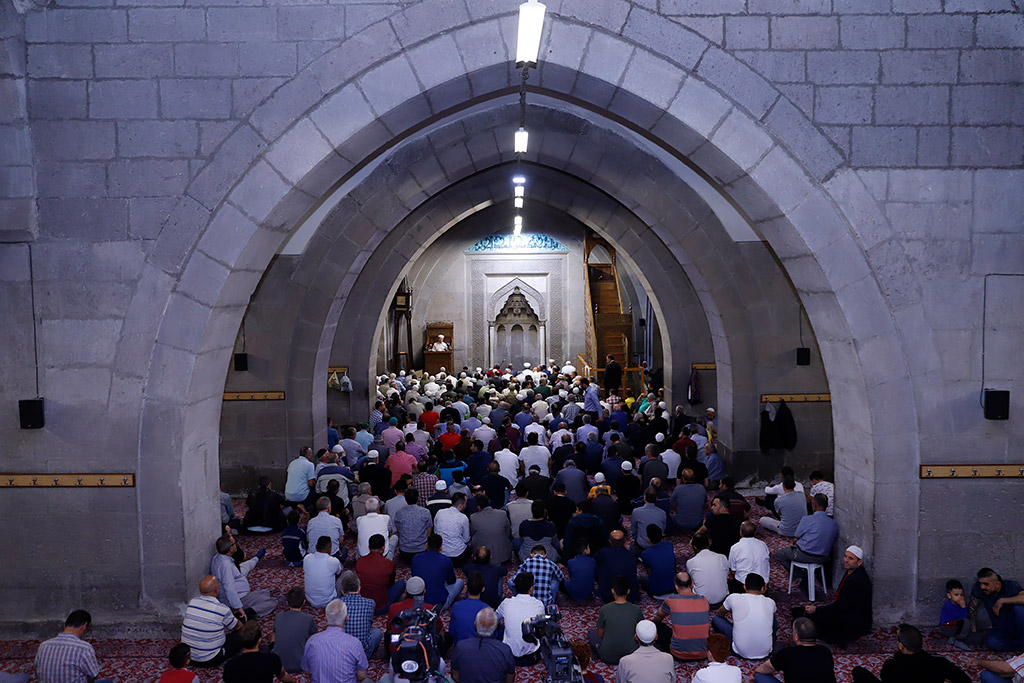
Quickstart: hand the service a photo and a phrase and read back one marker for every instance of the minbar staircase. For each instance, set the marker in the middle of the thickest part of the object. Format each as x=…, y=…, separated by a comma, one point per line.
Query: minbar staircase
x=609, y=327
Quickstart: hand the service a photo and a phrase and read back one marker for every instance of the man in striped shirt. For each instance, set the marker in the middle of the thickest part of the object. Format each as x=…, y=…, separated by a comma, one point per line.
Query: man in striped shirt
x=67, y=658
x=202, y=629
x=688, y=621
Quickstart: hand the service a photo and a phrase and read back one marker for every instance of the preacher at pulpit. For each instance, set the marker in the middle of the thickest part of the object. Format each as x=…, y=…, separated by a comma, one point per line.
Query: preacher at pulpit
x=440, y=344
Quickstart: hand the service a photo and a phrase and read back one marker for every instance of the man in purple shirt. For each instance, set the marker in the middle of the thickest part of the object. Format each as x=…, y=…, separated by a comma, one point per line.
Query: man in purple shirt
x=333, y=656
x=67, y=657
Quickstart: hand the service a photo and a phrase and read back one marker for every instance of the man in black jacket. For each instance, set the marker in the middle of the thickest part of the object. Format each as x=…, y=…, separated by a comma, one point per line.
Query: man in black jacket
x=911, y=664
x=849, y=615
x=612, y=376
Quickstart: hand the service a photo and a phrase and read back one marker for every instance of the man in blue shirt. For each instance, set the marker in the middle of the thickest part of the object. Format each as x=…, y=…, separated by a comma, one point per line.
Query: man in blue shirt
x=582, y=573
x=438, y=574
x=815, y=535
x=660, y=562
x=464, y=612
x=616, y=560
x=484, y=658
x=591, y=403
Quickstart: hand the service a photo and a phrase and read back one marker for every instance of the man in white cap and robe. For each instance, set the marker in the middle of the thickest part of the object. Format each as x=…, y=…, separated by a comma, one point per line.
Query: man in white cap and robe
x=848, y=616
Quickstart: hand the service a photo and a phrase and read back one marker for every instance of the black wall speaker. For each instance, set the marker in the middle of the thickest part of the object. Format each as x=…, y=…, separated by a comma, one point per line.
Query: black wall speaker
x=31, y=413
x=241, y=362
x=803, y=355
x=997, y=404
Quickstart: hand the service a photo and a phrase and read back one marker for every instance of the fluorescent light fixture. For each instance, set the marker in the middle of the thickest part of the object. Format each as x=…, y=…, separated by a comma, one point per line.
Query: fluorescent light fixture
x=520, y=190
x=517, y=221
x=516, y=230
x=531, y=23
x=522, y=140
x=518, y=201
x=519, y=179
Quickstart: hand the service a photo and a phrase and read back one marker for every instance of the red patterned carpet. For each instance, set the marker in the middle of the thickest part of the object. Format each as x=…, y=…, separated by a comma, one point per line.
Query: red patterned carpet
x=142, y=661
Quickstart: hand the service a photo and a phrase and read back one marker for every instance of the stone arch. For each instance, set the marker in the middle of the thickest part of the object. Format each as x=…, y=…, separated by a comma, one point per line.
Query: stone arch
x=498, y=299
x=217, y=242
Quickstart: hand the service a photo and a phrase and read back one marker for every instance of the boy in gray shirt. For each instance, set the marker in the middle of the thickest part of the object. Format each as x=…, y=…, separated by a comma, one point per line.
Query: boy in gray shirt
x=291, y=631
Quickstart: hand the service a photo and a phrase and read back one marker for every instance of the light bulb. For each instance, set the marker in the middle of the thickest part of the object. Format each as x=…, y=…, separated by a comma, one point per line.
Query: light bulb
x=522, y=140
x=531, y=23
x=518, y=201
x=519, y=179
x=520, y=191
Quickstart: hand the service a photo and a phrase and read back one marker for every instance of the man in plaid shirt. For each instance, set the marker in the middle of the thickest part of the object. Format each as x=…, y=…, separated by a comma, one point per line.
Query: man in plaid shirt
x=424, y=483
x=67, y=658
x=547, y=577
x=360, y=614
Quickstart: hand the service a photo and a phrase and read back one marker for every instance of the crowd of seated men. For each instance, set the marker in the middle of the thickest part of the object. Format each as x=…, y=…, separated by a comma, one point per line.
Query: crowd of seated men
x=506, y=492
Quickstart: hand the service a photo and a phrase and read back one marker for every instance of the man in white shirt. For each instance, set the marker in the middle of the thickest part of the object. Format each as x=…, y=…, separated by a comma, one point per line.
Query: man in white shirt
x=535, y=454
x=485, y=432
x=717, y=671
x=514, y=611
x=375, y=523
x=819, y=485
x=708, y=570
x=326, y=524
x=747, y=555
x=537, y=428
x=204, y=624
x=452, y=525
x=752, y=630
x=508, y=462
x=320, y=571
x=672, y=460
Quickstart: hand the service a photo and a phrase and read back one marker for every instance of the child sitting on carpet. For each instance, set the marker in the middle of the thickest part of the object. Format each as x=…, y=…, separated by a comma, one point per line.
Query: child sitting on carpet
x=293, y=541
x=179, y=657
x=953, y=621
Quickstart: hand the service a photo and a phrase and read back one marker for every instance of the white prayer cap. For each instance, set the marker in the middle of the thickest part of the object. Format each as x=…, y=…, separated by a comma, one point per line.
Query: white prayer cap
x=479, y=369
x=856, y=550
x=487, y=420
x=659, y=437
x=551, y=360
x=402, y=373
x=440, y=336
x=599, y=478
x=562, y=393
x=526, y=364
x=440, y=485
x=646, y=631
x=627, y=466
x=663, y=405
x=462, y=374
x=520, y=397
x=337, y=448
x=443, y=370
x=709, y=410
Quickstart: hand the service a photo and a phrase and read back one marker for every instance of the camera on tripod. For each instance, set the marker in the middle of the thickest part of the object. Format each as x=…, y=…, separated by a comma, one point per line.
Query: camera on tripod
x=555, y=650
x=416, y=645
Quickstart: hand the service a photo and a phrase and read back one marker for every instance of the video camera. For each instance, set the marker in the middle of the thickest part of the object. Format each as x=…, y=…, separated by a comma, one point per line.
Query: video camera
x=555, y=650
x=415, y=645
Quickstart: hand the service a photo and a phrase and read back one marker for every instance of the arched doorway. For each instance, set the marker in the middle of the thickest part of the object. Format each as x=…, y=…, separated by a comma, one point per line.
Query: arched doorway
x=517, y=339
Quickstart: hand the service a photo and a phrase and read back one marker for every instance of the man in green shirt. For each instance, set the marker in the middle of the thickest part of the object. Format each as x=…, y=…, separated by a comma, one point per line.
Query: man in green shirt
x=613, y=638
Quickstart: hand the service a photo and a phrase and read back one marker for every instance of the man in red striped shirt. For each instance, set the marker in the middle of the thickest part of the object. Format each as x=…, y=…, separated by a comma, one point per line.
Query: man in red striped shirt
x=687, y=630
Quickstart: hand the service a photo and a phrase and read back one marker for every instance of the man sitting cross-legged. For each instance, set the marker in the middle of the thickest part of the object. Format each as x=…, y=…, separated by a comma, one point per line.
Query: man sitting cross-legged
x=752, y=630
x=360, y=614
x=803, y=662
x=912, y=663
x=612, y=640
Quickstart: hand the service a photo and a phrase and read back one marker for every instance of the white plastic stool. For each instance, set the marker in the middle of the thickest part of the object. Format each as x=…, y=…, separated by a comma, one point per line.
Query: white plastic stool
x=810, y=568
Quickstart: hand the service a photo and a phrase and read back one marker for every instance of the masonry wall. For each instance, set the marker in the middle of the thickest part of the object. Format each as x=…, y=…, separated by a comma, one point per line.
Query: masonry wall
x=111, y=110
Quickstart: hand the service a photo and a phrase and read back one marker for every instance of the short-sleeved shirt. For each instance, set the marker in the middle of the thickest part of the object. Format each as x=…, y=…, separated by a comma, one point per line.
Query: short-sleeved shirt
x=436, y=570
x=320, y=572
x=202, y=629
x=252, y=667
x=360, y=617
x=515, y=611
x=689, y=618
x=300, y=471
x=792, y=507
x=333, y=656
x=66, y=659
x=1010, y=589
x=482, y=660
x=463, y=619
x=752, y=618
x=619, y=623
x=805, y=664
x=412, y=523
x=292, y=629
x=376, y=575
x=1017, y=664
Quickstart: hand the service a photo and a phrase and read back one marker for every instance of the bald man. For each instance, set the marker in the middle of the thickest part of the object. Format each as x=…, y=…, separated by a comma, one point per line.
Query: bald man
x=209, y=627
x=616, y=560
